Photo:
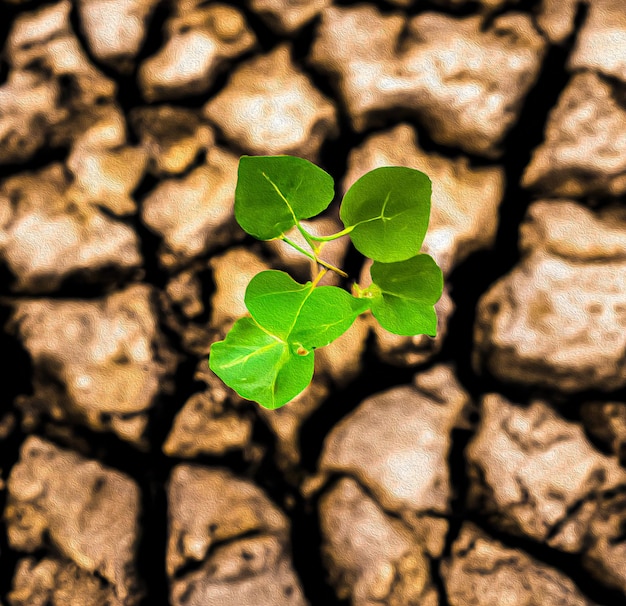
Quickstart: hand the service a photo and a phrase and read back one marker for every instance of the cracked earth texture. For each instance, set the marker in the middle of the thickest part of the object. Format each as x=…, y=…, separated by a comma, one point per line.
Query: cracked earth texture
x=484, y=467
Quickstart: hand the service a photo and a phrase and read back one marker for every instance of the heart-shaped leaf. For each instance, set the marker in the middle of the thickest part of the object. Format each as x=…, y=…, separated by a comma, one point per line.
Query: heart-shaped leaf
x=274, y=192
x=388, y=209
x=301, y=313
x=404, y=295
x=326, y=315
x=274, y=299
x=260, y=366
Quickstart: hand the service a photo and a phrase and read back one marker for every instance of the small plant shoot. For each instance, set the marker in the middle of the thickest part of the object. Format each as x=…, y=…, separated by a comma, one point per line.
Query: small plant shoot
x=268, y=356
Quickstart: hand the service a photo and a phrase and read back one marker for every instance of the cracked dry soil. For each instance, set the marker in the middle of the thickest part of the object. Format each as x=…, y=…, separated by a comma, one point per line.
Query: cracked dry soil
x=485, y=467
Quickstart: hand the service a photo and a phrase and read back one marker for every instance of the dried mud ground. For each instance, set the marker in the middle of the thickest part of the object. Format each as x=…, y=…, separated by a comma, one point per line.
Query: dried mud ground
x=485, y=467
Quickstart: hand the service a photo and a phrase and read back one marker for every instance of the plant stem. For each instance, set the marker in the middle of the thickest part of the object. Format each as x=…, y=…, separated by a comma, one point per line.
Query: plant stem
x=307, y=236
x=313, y=257
x=319, y=276
x=343, y=232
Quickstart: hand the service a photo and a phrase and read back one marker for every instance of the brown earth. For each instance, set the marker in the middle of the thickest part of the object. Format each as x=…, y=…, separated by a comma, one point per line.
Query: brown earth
x=484, y=467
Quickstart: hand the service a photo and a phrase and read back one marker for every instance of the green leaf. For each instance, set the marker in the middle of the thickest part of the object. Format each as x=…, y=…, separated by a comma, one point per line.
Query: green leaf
x=326, y=315
x=404, y=295
x=274, y=299
x=301, y=313
x=388, y=209
x=260, y=366
x=274, y=192
x=269, y=357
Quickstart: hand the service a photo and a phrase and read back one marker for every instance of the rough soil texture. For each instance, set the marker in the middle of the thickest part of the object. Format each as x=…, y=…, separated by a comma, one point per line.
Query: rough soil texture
x=483, y=467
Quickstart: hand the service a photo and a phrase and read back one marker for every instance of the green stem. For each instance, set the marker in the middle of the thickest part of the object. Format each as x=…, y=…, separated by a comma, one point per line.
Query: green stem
x=339, y=234
x=319, y=276
x=313, y=257
x=291, y=243
x=307, y=236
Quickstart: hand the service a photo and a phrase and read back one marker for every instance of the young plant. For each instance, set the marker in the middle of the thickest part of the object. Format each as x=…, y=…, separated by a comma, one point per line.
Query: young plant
x=268, y=356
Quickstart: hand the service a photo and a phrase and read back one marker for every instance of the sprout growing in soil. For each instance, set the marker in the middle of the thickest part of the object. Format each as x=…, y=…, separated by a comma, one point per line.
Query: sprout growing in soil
x=268, y=356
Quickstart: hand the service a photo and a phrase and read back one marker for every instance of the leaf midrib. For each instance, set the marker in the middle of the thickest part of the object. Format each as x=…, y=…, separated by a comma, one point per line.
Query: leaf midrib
x=403, y=297
x=280, y=194
x=382, y=216
x=287, y=340
x=256, y=351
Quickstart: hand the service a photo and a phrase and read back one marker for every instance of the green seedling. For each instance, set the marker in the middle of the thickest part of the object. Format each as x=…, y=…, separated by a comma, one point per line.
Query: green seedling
x=268, y=356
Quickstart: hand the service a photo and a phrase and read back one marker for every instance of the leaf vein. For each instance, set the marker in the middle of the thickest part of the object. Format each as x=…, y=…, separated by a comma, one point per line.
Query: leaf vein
x=256, y=351
x=280, y=194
